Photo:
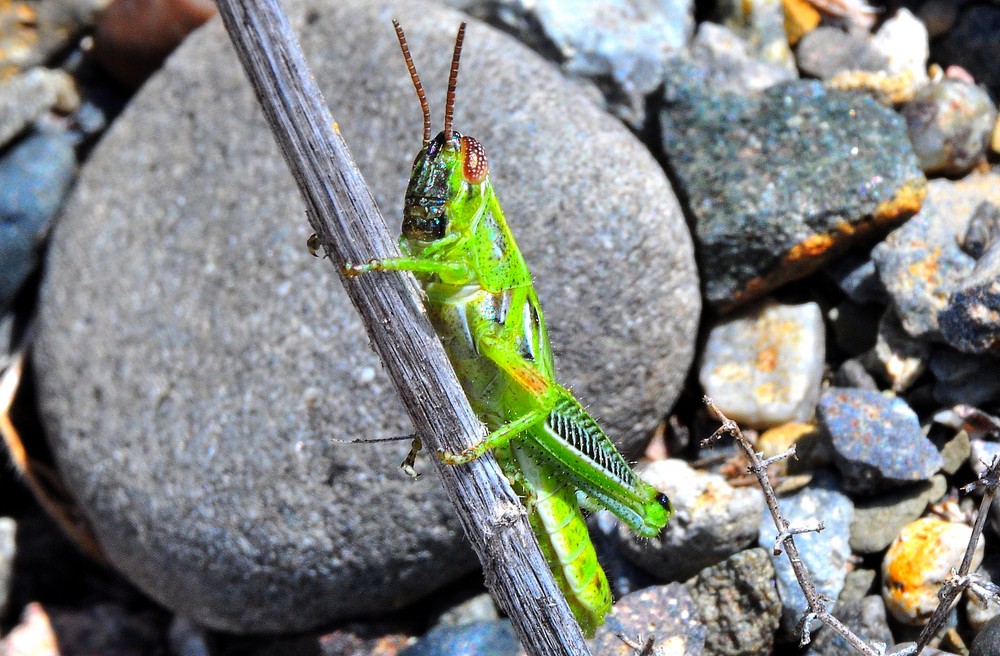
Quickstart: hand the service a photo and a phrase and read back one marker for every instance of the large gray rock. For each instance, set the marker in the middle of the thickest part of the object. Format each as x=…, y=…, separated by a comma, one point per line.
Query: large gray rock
x=194, y=361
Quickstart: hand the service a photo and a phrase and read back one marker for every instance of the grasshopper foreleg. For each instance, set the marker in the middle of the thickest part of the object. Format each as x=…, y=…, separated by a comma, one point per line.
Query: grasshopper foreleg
x=415, y=264
x=496, y=439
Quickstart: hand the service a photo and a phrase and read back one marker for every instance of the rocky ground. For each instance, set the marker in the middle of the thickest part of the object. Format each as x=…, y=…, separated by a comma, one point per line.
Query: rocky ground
x=790, y=207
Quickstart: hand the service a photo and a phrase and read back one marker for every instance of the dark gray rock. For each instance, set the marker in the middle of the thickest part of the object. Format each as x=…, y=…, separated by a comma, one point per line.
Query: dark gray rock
x=826, y=51
x=475, y=639
x=780, y=183
x=878, y=521
x=921, y=263
x=987, y=641
x=964, y=378
x=856, y=276
x=971, y=320
x=738, y=600
x=949, y=123
x=877, y=441
x=666, y=613
x=35, y=174
x=855, y=327
x=826, y=554
x=866, y=618
x=972, y=44
x=195, y=361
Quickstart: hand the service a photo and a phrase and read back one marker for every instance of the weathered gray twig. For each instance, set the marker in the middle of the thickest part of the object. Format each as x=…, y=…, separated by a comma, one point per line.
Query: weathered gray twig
x=816, y=602
x=350, y=228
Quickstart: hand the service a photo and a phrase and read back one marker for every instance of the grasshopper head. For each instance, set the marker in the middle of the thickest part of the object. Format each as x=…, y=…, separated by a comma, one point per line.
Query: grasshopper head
x=447, y=170
x=658, y=513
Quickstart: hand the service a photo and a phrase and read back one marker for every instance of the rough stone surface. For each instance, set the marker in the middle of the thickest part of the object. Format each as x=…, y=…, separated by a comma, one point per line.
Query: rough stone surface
x=780, y=183
x=949, y=123
x=665, y=612
x=921, y=263
x=475, y=639
x=866, y=618
x=738, y=600
x=971, y=319
x=195, y=361
x=877, y=441
x=964, y=378
x=826, y=51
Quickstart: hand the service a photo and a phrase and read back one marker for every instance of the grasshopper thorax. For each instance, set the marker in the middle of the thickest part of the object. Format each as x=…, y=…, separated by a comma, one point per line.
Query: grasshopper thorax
x=444, y=169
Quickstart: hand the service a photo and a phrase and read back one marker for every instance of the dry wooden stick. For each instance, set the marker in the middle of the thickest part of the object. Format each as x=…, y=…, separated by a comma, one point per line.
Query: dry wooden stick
x=341, y=211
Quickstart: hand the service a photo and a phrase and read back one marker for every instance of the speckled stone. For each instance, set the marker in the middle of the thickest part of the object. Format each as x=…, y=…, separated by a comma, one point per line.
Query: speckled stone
x=878, y=521
x=825, y=554
x=712, y=521
x=780, y=183
x=665, y=612
x=738, y=600
x=729, y=61
x=196, y=362
x=921, y=263
x=970, y=321
x=32, y=33
x=763, y=367
x=876, y=440
x=949, y=123
x=27, y=96
x=918, y=562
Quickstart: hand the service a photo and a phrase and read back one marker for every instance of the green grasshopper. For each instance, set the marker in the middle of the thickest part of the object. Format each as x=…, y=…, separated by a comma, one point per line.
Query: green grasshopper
x=481, y=301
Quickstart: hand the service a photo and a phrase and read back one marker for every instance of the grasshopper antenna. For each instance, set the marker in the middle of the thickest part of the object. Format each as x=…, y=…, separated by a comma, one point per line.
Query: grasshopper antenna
x=449, y=103
x=416, y=80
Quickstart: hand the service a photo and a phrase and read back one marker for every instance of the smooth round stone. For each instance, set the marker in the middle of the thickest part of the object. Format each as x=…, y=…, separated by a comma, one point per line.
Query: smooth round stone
x=949, y=123
x=763, y=367
x=878, y=521
x=917, y=564
x=712, y=521
x=987, y=641
x=195, y=363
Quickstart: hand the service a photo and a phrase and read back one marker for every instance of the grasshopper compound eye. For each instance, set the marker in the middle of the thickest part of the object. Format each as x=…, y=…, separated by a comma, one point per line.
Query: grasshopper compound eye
x=474, y=165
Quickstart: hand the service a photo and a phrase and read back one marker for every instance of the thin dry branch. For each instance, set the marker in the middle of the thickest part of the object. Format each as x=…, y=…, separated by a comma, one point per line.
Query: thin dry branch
x=350, y=228
x=786, y=537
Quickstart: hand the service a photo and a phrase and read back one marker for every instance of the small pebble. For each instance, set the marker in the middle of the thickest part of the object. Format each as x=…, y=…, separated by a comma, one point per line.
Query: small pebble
x=33, y=635
x=983, y=230
x=479, y=608
x=903, y=357
x=27, y=96
x=186, y=638
x=987, y=641
x=738, y=600
x=903, y=41
x=877, y=522
x=921, y=262
x=970, y=321
x=825, y=554
x=810, y=448
x=917, y=564
x=981, y=454
x=949, y=123
x=956, y=452
x=865, y=617
x=826, y=51
x=35, y=174
x=475, y=639
x=877, y=440
x=666, y=613
x=730, y=63
x=854, y=373
x=712, y=521
x=963, y=378
x=855, y=327
x=33, y=33
x=762, y=24
x=763, y=368
x=857, y=585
